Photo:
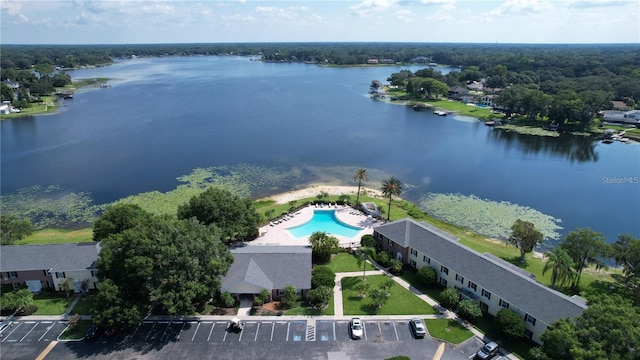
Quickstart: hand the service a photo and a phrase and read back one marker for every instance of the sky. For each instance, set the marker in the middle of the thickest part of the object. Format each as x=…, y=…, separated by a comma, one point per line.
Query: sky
x=230, y=21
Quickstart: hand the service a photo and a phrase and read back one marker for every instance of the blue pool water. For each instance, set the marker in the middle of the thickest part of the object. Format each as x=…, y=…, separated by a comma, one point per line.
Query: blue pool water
x=324, y=220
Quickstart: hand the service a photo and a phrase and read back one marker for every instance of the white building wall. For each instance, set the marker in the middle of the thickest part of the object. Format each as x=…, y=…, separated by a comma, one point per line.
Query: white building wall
x=60, y=277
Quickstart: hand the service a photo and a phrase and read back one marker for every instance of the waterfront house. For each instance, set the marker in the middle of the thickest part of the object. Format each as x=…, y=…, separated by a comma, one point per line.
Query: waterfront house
x=457, y=92
x=273, y=268
x=372, y=61
x=622, y=117
x=49, y=266
x=14, y=85
x=488, y=100
x=475, y=86
x=491, y=282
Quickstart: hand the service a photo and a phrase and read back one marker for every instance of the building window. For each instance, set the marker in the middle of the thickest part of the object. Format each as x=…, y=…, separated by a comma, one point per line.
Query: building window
x=92, y=273
x=484, y=307
x=44, y=272
x=49, y=284
x=460, y=279
x=473, y=286
x=486, y=294
x=15, y=285
x=528, y=334
x=13, y=274
x=504, y=304
x=530, y=319
x=414, y=252
x=443, y=282
x=413, y=263
x=60, y=275
x=444, y=269
x=426, y=259
x=389, y=242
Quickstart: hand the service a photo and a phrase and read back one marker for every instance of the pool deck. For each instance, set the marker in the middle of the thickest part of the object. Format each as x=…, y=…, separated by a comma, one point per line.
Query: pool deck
x=276, y=234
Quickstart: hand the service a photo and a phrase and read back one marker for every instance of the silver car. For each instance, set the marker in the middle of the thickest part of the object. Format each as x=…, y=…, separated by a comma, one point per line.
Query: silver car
x=356, y=328
x=418, y=328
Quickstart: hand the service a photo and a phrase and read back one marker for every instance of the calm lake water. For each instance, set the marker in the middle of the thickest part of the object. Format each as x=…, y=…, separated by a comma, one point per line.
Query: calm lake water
x=164, y=117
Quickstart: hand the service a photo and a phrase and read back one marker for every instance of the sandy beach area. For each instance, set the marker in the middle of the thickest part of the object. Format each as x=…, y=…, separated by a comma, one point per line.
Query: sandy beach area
x=314, y=189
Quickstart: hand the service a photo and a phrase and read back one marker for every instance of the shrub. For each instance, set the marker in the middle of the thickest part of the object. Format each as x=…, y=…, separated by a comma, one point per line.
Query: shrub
x=368, y=241
x=290, y=297
x=450, y=298
x=396, y=267
x=383, y=259
x=319, y=297
x=262, y=298
x=227, y=300
x=427, y=275
x=469, y=309
x=509, y=323
x=323, y=276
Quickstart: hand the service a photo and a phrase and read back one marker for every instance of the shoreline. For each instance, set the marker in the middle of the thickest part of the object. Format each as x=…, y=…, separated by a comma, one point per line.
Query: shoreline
x=312, y=190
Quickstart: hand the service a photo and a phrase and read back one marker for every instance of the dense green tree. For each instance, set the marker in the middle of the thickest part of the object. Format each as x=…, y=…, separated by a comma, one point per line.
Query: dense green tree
x=362, y=287
x=585, y=247
x=626, y=252
x=510, y=324
x=319, y=297
x=322, y=246
x=395, y=266
x=561, y=266
x=364, y=254
x=450, y=298
x=289, y=297
x=391, y=187
x=168, y=263
x=118, y=218
x=16, y=300
x=427, y=275
x=322, y=276
x=559, y=339
x=6, y=93
x=400, y=78
x=111, y=308
x=12, y=228
x=234, y=215
x=369, y=241
x=469, y=309
x=525, y=237
x=360, y=177
x=263, y=297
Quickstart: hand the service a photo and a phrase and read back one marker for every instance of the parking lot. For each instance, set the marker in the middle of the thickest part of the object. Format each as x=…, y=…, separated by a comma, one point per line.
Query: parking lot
x=257, y=334
x=33, y=331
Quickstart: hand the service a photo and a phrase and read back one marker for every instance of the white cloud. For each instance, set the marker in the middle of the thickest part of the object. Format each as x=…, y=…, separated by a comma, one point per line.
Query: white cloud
x=520, y=7
x=368, y=6
x=595, y=3
x=13, y=8
x=404, y=15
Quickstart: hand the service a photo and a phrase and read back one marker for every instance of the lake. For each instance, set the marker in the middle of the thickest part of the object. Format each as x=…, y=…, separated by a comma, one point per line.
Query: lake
x=163, y=117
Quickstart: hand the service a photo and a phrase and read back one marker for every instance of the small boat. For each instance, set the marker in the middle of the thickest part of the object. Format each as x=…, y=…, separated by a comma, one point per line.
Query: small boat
x=440, y=112
x=490, y=123
x=420, y=107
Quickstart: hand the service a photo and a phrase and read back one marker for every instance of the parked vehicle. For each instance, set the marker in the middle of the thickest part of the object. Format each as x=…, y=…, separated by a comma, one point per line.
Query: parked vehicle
x=355, y=327
x=4, y=326
x=418, y=328
x=488, y=351
x=92, y=333
x=236, y=325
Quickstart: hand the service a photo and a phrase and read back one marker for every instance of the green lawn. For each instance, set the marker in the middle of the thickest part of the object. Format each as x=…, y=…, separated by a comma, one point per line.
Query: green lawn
x=51, y=304
x=448, y=330
x=58, y=236
x=84, y=306
x=302, y=310
x=433, y=291
x=345, y=262
x=400, y=302
x=77, y=332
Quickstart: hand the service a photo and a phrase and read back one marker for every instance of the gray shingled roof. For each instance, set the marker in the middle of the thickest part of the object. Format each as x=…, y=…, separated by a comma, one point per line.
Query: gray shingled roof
x=514, y=287
x=269, y=267
x=59, y=257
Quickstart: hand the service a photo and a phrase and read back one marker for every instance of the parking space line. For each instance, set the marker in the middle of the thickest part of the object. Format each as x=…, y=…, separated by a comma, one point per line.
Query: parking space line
x=395, y=330
x=364, y=330
x=241, y=332
x=180, y=332
x=225, y=333
x=29, y=332
x=255, y=338
x=273, y=326
x=149, y=333
x=288, y=325
x=380, y=331
x=195, y=332
x=14, y=329
x=210, y=331
x=49, y=328
x=334, y=331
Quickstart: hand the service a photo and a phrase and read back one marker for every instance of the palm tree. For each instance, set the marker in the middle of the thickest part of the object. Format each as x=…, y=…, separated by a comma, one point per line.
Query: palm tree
x=561, y=266
x=391, y=187
x=361, y=177
x=365, y=253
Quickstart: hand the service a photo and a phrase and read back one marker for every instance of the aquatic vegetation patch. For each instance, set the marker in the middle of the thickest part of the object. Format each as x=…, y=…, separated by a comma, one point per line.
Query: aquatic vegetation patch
x=242, y=179
x=487, y=217
x=51, y=206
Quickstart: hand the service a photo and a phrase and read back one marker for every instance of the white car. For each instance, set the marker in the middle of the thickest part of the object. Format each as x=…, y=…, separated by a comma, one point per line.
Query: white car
x=4, y=326
x=356, y=328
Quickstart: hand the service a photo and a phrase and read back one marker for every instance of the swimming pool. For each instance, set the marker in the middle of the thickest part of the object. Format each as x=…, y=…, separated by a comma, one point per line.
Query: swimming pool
x=324, y=220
